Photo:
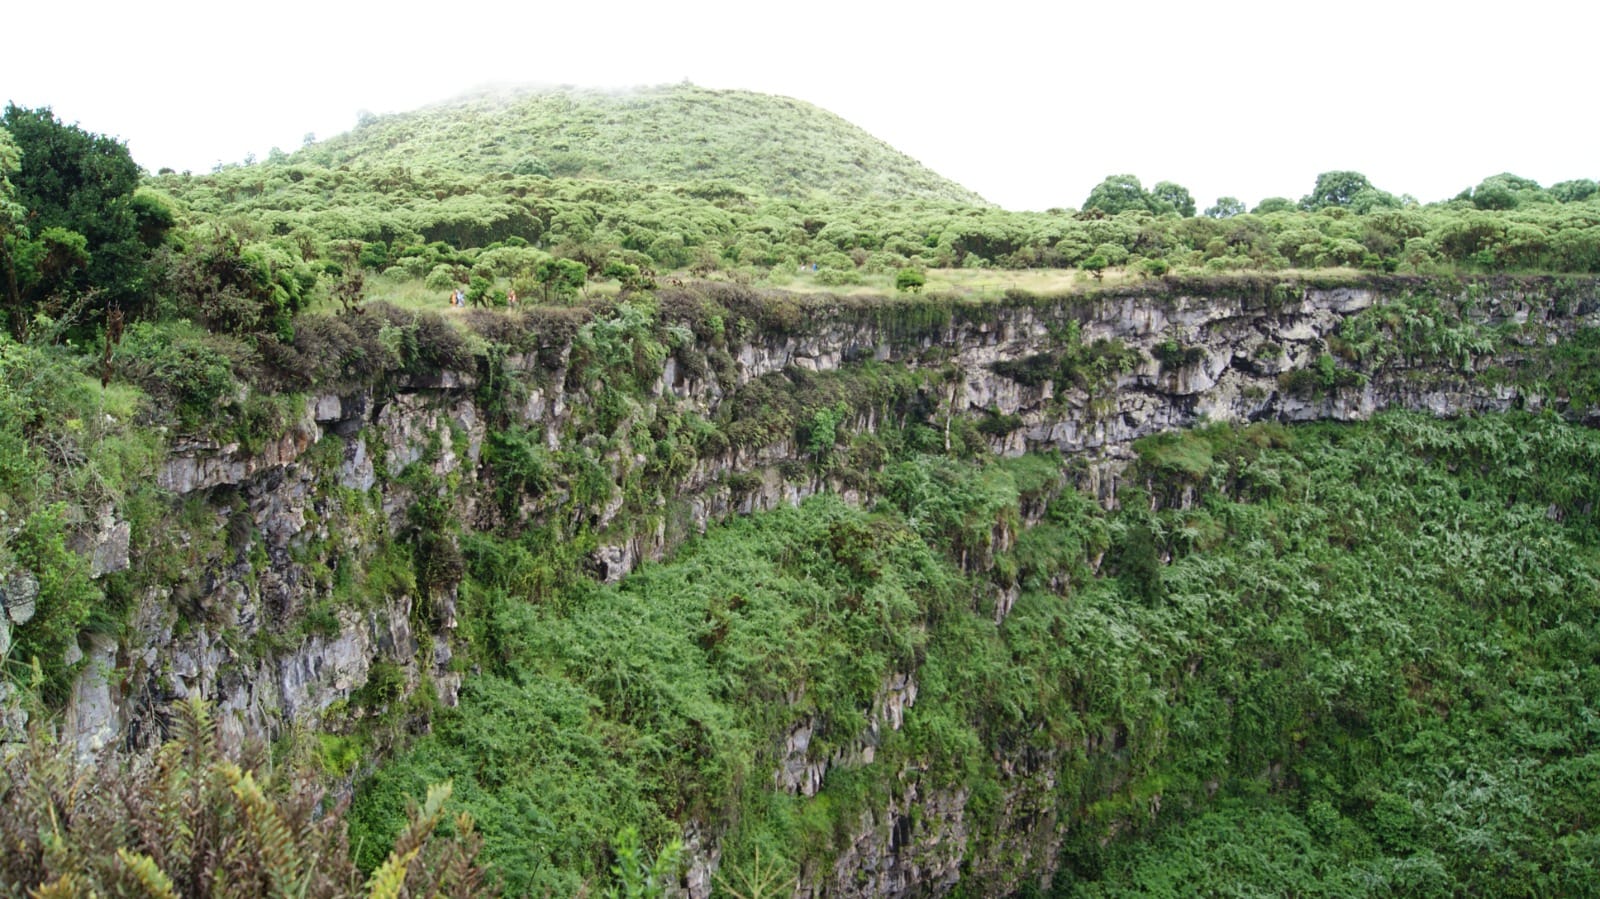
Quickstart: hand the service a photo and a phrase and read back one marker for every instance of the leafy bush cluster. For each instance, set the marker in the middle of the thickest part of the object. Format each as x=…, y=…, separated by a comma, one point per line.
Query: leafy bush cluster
x=519, y=223
x=1346, y=658
x=1374, y=625
x=69, y=451
x=1089, y=367
x=77, y=232
x=199, y=820
x=646, y=706
x=238, y=288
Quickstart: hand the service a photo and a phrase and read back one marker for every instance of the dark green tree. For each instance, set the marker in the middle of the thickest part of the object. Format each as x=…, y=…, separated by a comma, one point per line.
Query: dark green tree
x=1494, y=195
x=628, y=275
x=71, y=181
x=560, y=277
x=1225, y=208
x=1169, y=197
x=909, y=279
x=1342, y=189
x=1573, y=191
x=1096, y=265
x=239, y=288
x=374, y=255
x=1274, y=204
x=1117, y=193
x=1507, y=191
x=478, y=292
x=13, y=217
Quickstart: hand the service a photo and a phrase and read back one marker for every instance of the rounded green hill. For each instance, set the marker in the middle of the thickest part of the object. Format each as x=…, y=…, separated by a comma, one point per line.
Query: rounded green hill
x=669, y=135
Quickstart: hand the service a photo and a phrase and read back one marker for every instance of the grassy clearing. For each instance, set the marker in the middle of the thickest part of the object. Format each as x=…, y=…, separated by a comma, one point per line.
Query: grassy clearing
x=413, y=295
x=960, y=283
x=965, y=283
x=971, y=283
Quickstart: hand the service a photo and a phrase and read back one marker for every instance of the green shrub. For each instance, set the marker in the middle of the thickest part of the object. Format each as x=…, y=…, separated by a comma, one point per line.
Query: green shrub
x=1173, y=355
x=443, y=276
x=199, y=819
x=188, y=372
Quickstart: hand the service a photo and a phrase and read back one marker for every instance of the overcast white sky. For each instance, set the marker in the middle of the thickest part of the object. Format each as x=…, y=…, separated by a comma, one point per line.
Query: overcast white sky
x=1029, y=104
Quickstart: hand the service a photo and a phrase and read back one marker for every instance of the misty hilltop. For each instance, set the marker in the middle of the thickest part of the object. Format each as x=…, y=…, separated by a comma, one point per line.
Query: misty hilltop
x=668, y=135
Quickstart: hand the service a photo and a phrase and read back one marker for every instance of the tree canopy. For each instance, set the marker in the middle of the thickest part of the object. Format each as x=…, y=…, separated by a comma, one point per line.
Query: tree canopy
x=84, y=231
x=1169, y=197
x=1348, y=190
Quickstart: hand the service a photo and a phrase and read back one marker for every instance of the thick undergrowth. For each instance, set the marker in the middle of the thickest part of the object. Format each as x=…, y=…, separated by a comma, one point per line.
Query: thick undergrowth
x=1335, y=659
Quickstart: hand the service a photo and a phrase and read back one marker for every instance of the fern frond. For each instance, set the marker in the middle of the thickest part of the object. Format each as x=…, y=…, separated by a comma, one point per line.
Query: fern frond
x=390, y=876
x=452, y=870
x=756, y=883
x=57, y=854
x=274, y=841
x=69, y=886
x=196, y=732
x=423, y=820
x=150, y=878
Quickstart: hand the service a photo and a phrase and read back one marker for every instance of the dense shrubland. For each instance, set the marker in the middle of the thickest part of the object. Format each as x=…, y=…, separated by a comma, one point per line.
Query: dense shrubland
x=459, y=225
x=1410, y=607
x=711, y=144
x=1320, y=660
x=1359, y=662
x=419, y=197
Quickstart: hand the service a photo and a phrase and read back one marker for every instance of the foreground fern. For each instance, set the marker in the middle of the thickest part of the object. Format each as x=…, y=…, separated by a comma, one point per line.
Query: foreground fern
x=196, y=820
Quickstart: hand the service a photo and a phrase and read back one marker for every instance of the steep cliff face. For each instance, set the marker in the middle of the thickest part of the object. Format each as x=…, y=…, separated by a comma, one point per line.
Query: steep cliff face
x=295, y=611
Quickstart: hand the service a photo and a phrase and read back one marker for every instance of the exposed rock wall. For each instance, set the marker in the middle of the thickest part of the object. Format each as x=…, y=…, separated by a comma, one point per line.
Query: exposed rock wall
x=264, y=623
